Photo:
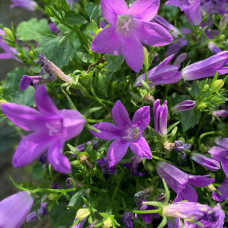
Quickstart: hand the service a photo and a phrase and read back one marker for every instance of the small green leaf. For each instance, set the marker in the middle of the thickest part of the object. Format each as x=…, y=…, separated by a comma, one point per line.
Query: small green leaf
x=76, y=199
x=92, y=10
x=73, y=18
x=114, y=62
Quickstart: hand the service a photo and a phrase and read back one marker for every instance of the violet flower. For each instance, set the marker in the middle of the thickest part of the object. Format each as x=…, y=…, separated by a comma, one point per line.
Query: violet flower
x=220, y=113
x=125, y=133
x=220, y=153
x=160, y=117
x=34, y=215
x=207, y=67
x=184, y=106
x=26, y=81
x=128, y=219
x=128, y=28
x=53, y=27
x=103, y=162
x=51, y=128
x=14, y=209
x=205, y=161
x=191, y=8
x=133, y=166
x=25, y=4
x=9, y=52
x=81, y=147
x=212, y=46
x=161, y=74
x=223, y=189
x=182, y=182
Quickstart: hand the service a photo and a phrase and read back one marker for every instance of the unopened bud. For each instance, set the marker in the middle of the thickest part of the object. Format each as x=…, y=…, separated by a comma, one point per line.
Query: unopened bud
x=82, y=213
x=108, y=223
x=211, y=187
x=202, y=106
x=223, y=22
x=145, y=60
x=213, y=47
x=205, y=88
x=218, y=85
x=2, y=101
x=180, y=59
x=9, y=34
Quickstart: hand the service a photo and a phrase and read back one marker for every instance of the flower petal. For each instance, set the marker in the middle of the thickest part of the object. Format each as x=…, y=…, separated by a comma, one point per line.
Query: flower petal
x=224, y=164
x=223, y=142
x=116, y=152
x=29, y=148
x=106, y=41
x=120, y=115
x=108, y=131
x=194, y=15
x=132, y=51
x=188, y=193
x=43, y=101
x=200, y=181
x=73, y=123
x=57, y=159
x=111, y=8
x=141, y=148
x=144, y=9
x=153, y=34
x=141, y=117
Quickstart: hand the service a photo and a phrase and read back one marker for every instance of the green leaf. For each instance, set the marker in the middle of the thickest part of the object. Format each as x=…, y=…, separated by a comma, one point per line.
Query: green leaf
x=11, y=91
x=101, y=82
x=84, y=57
x=92, y=10
x=172, y=126
x=76, y=199
x=32, y=30
x=189, y=119
x=194, y=90
x=59, y=50
x=73, y=18
x=114, y=62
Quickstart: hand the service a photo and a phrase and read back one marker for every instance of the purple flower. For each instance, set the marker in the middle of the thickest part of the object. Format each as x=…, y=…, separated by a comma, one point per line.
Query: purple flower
x=181, y=182
x=160, y=117
x=128, y=219
x=51, y=128
x=205, y=161
x=26, y=81
x=212, y=46
x=184, y=106
x=180, y=146
x=133, y=166
x=191, y=9
x=81, y=147
x=162, y=74
x=26, y=4
x=207, y=67
x=129, y=27
x=34, y=215
x=220, y=153
x=53, y=27
x=223, y=189
x=214, y=6
x=220, y=113
x=9, y=52
x=103, y=162
x=14, y=209
x=125, y=133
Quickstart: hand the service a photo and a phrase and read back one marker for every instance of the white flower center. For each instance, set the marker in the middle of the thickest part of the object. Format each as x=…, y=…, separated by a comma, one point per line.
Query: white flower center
x=54, y=128
x=125, y=23
x=131, y=134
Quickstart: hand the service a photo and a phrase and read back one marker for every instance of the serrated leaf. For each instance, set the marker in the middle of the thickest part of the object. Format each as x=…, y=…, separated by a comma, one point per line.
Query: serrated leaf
x=32, y=30
x=114, y=62
x=92, y=10
x=76, y=198
x=102, y=84
x=73, y=18
x=84, y=57
x=59, y=50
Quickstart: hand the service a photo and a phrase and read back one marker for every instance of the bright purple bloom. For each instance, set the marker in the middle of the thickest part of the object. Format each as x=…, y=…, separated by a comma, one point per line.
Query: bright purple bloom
x=34, y=215
x=128, y=219
x=81, y=147
x=26, y=81
x=162, y=74
x=205, y=161
x=182, y=182
x=133, y=166
x=191, y=9
x=223, y=189
x=184, y=106
x=53, y=27
x=103, y=162
x=220, y=153
x=212, y=46
x=14, y=209
x=160, y=117
x=9, y=52
x=125, y=133
x=26, y=4
x=220, y=113
x=51, y=128
x=128, y=28
x=207, y=67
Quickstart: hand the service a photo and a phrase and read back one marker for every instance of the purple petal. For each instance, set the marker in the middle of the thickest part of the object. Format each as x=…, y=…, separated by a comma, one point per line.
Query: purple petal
x=141, y=117
x=153, y=34
x=14, y=209
x=194, y=15
x=144, y=9
x=223, y=142
x=132, y=51
x=6, y=56
x=120, y=115
x=200, y=181
x=111, y=8
x=141, y=148
x=188, y=193
x=108, y=131
x=29, y=148
x=57, y=159
x=223, y=189
x=43, y=101
x=106, y=41
x=215, y=151
x=224, y=164
x=73, y=123
x=220, y=113
x=182, y=4
x=116, y=151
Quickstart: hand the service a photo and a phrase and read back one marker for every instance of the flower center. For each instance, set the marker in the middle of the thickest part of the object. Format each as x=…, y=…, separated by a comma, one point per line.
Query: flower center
x=55, y=127
x=131, y=134
x=125, y=23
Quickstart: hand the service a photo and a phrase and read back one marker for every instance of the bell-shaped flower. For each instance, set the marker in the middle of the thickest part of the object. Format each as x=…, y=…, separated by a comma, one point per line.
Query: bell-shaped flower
x=125, y=133
x=223, y=190
x=161, y=74
x=160, y=117
x=220, y=153
x=129, y=28
x=182, y=182
x=34, y=215
x=25, y=4
x=184, y=106
x=51, y=128
x=207, y=67
x=205, y=161
x=14, y=209
x=220, y=113
x=191, y=8
x=26, y=81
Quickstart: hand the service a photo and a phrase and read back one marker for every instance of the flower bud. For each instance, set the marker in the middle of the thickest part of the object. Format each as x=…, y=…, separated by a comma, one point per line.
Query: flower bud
x=108, y=223
x=223, y=22
x=180, y=59
x=218, y=113
x=212, y=46
x=205, y=88
x=202, y=106
x=218, y=85
x=184, y=106
x=82, y=213
x=9, y=34
x=145, y=60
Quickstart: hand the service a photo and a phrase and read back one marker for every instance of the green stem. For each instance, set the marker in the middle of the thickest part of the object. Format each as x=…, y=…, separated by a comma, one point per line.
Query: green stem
x=147, y=211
